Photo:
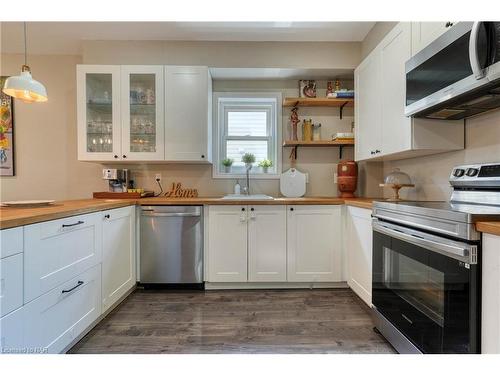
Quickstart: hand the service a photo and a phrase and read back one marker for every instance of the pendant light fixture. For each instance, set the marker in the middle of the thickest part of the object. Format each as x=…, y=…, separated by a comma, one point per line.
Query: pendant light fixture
x=23, y=86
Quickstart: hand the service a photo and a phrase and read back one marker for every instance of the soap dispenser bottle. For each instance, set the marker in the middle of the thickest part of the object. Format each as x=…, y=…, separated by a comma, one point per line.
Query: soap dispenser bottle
x=237, y=188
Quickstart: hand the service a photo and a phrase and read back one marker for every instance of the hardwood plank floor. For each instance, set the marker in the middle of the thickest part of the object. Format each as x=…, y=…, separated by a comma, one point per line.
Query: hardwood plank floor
x=243, y=321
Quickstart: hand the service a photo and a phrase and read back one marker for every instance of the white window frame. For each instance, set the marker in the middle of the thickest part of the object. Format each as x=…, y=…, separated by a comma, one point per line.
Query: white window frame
x=271, y=102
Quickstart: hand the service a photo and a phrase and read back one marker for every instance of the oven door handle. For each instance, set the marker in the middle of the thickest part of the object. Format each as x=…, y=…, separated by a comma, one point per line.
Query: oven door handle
x=460, y=251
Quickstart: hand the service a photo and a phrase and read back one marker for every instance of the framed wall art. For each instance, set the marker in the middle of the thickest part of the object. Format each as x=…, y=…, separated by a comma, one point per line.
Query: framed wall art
x=6, y=133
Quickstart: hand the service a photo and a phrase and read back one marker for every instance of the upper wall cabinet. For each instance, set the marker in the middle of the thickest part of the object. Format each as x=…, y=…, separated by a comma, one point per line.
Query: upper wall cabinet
x=188, y=94
x=423, y=33
x=382, y=130
x=99, y=109
x=143, y=131
x=144, y=113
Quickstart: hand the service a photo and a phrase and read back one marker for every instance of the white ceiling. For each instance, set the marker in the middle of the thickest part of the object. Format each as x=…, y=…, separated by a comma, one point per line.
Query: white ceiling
x=66, y=37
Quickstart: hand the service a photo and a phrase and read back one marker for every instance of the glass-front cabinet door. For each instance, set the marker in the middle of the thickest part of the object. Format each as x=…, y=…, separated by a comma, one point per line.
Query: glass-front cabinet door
x=98, y=107
x=142, y=113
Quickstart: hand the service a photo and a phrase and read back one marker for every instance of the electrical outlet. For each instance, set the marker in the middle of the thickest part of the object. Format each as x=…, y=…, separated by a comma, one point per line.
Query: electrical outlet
x=335, y=178
x=158, y=177
x=307, y=178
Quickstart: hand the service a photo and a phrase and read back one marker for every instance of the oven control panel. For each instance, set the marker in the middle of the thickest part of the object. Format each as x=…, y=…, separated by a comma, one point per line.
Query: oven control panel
x=476, y=175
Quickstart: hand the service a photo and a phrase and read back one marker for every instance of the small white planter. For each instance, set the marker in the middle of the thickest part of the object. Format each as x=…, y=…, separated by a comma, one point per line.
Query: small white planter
x=265, y=169
x=227, y=168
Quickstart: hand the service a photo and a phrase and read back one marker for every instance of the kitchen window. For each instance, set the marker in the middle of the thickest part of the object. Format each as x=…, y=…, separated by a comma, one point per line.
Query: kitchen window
x=247, y=123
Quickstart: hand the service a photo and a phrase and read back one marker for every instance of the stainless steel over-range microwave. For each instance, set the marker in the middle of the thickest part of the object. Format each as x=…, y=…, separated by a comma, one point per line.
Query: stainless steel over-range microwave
x=457, y=75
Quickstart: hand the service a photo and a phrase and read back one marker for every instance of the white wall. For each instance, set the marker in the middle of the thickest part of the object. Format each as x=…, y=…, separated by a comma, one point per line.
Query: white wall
x=430, y=173
x=45, y=136
x=46, y=149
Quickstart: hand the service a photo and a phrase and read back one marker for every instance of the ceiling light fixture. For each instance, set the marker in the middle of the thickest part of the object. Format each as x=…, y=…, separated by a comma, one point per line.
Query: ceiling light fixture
x=23, y=86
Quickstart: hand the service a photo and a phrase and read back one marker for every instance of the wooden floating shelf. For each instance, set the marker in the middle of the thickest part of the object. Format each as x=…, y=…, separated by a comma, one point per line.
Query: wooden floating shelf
x=318, y=102
x=340, y=143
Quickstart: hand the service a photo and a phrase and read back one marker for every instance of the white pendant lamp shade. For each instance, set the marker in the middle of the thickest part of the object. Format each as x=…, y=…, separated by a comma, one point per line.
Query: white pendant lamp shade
x=24, y=87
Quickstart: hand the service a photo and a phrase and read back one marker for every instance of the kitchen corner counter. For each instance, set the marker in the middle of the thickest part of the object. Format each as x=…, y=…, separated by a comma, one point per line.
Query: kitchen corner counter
x=11, y=217
x=490, y=227
x=161, y=201
x=14, y=217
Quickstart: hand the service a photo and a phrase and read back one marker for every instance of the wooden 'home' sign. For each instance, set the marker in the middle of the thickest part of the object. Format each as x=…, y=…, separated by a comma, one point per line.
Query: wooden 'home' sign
x=176, y=191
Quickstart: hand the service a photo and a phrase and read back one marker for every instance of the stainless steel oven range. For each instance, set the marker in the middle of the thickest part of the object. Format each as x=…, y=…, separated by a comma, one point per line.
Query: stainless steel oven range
x=426, y=290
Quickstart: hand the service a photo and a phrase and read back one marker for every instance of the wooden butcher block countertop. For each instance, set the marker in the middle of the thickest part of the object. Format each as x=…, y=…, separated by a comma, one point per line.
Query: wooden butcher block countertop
x=491, y=227
x=13, y=217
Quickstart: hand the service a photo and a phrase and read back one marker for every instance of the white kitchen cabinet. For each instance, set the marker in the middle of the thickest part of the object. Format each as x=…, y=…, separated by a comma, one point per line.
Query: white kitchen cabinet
x=11, y=283
x=118, y=254
x=142, y=113
x=227, y=244
x=99, y=112
x=383, y=132
x=12, y=332
x=58, y=250
x=267, y=243
x=394, y=51
x=314, y=243
x=188, y=95
x=359, y=252
x=58, y=317
x=368, y=108
x=423, y=33
x=490, y=305
x=11, y=241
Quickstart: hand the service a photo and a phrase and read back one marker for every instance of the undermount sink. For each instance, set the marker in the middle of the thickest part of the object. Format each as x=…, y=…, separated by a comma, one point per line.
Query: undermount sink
x=247, y=197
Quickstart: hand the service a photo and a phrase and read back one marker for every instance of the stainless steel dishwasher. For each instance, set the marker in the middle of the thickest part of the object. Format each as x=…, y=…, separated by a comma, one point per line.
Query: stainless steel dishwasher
x=171, y=239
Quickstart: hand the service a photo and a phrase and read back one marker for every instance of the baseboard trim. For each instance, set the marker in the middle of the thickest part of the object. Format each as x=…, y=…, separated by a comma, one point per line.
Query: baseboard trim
x=283, y=285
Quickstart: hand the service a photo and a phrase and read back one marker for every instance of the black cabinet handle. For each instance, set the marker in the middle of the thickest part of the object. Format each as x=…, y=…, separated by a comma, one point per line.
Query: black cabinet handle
x=124, y=156
x=378, y=151
x=107, y=216
x=72, y=225
x=372, y=152
x=252, y=209
x=291, y=209
x=449, y=24
x=243, y=209
x=80, y=283
x=203, y=156
x=116, y=156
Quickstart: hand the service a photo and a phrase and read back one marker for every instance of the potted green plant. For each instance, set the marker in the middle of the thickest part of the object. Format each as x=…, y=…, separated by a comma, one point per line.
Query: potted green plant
x=265, y=165
x=248, y=159
x=227, y=163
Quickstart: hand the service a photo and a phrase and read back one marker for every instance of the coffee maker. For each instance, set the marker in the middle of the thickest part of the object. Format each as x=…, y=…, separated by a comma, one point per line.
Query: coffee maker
x=118, y=179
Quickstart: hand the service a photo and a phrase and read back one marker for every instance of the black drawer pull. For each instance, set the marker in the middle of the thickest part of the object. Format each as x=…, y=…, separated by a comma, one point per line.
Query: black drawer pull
x=72, y=225
x=80, y=283
x=107, y=216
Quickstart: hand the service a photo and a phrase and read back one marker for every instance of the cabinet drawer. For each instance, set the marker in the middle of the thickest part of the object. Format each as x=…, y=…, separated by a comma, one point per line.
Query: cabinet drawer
x=11, y=241
x=12, y=333
x=11, y=283
x=55, y=319
x=58, y=250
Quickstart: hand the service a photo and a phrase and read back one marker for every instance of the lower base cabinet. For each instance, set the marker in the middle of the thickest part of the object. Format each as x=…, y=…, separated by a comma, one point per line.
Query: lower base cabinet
x=55, y=315
x=314, y=243
x=51, y=322
x=118, y=254
x=227, y=244
x=267, y=244
x=359, y=252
